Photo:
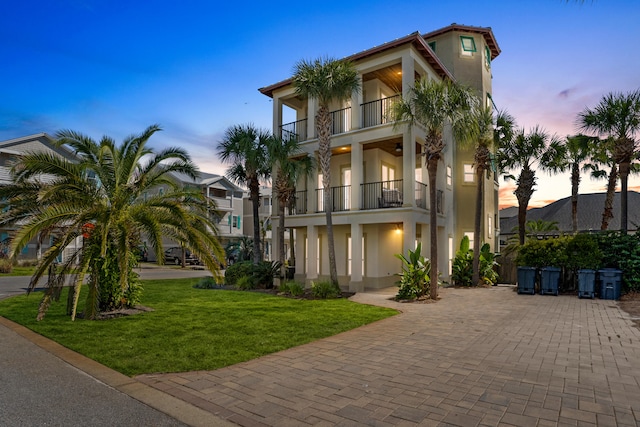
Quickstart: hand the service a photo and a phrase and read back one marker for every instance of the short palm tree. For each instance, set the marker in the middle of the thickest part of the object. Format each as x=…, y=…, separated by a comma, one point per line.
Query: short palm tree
x=525, y=153
x=617, y=116
x=103, y=196
x=326, y=80
x=434, y=104
x=245, y=148
x=291, y=164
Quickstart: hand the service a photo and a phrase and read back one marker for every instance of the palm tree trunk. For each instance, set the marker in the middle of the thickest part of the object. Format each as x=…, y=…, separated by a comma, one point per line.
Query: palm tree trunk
x=624, y=178
x=432, y=169
x=575, y=182
x=254, y=192
x=281, y=205
x=607, y=214
x=477, y=226
x=523, y=193
x=323, y=123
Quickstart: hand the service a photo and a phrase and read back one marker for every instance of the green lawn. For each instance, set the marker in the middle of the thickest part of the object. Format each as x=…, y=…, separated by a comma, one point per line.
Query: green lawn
x=193, y=329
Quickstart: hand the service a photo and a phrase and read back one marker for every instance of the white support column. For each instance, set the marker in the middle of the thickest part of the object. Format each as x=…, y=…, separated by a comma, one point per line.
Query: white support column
x=356, y=110
x=357, y=175
x=312, y=107
x=408, y=168
x=408, y=236
x=277, y=116
x=312, y=253
x=408, y=73
x=357, y=253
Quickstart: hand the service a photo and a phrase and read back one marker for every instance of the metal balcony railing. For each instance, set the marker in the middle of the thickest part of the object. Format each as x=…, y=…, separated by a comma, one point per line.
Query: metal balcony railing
x=340, y=121
x=340, y=199
x=298, y=206
x=382, y=194
x=297, y=130
x=421, y=195
x=379, y=111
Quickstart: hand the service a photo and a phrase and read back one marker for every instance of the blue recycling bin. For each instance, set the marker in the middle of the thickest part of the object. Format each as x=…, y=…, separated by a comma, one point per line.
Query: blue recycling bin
x=586, y=283
x=549, y=280
x=527, y=280
x=610, y=281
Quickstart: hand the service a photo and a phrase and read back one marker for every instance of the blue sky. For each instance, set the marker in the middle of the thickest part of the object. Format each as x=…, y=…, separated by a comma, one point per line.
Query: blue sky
x=111, y=67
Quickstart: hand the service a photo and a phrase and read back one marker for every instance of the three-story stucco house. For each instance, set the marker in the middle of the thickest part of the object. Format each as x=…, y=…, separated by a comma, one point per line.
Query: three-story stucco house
x=379, y=197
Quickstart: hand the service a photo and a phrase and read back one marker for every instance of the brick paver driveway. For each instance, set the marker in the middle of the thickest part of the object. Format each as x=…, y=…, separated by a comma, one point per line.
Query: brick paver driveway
x=476, y=357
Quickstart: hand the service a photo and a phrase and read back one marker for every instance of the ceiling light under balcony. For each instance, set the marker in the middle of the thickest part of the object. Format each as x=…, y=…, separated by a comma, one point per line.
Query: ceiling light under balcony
x=398, y=148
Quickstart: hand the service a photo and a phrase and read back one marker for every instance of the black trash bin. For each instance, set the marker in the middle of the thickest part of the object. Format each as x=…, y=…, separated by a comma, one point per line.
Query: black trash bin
x=549, y=280
x=527, y=280
x=586, y=283
x=291, y=271
x=610, y=281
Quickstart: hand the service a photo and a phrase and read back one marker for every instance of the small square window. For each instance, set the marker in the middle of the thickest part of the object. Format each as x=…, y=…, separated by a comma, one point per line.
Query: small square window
x=432, y=45
x=449, y=176
x=487, y=57
x=469, y=174
x=468, y=45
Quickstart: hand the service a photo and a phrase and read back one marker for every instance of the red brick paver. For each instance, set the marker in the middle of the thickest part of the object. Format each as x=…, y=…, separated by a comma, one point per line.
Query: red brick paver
x=477, y=357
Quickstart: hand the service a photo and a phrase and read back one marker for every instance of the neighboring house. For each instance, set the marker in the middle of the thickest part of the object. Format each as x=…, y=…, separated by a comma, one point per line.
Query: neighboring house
x=10, y=151
x=590, y=208
x=227, y=197
x=380, y=199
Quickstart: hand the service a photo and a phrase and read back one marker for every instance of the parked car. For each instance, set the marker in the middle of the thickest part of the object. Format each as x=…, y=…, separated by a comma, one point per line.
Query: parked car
x=174, y=256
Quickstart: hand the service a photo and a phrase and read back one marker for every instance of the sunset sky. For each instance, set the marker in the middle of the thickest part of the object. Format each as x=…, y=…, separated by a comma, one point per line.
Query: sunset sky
x=195, y=66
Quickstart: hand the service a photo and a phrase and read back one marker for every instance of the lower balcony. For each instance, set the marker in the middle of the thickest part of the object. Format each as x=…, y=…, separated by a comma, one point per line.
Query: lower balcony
x=374, y=195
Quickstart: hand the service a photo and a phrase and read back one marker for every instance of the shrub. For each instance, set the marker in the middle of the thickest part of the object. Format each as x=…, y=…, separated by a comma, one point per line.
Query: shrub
x=6, y=266
x=236, y=271
x=294, y=289
x=622, y=251
x=414, y=279
x=583, y=252
x=207, y=283
x=245, y=283
x=488, y=262
x=324, y=290
x=264, y=272
x=462, y=267
x=543, y=253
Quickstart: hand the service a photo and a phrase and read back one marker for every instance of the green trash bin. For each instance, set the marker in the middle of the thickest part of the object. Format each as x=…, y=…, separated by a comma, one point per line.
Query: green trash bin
x=527, y=280
x=586, y=283
x=549, y=280
x=610, y=280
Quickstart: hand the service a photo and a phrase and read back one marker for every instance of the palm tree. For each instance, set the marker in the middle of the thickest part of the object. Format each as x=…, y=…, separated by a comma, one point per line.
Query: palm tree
x=617, y=116
x=326, y=80
x=291, y=164
x=489, y=132
x=524, y=153
x=435, y=104
x=573, y=152
x=103, y=196
x=245, y=148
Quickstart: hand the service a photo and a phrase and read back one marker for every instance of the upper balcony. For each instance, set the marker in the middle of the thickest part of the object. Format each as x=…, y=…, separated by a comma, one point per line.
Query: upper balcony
x=372, y=113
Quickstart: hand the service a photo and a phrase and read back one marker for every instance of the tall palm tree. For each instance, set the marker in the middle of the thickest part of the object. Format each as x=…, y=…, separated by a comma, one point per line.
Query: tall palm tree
x=490, y=132
x=434, y=104
x=103, y=196
x=291, y=164
x=617, y=116
x=573, y=152
x=525, y=153
x=326, y=80
x=245, y=148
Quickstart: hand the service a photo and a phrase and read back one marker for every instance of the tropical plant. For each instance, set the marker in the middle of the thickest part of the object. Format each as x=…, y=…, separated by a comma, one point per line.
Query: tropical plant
x=237, y=270
x=488, y=265
x=101, y=196
x=583, y=252
x=617, y=116
x=573, y=152
x=326, y=80
x=461, y=270
x=544, y=253
x=245, y=148
x=414, y=279
x=324, y=289
x=525, y=153
x=434, y=105
x=622, y=251
x=292, y=288
x=601, y=159
x=291, y=164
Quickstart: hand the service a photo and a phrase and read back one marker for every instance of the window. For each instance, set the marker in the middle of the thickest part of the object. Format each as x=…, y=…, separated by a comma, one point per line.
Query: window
x=388, y=173
x=490, y=226
x=468, y=45
x=236, y=221
x=451, y=254
x=350, y=256
x=469, y=174
x=449, y=176
x=432, y=45
x=469, y=234
x=320, y=194
x=419, y=174
x=487, y=57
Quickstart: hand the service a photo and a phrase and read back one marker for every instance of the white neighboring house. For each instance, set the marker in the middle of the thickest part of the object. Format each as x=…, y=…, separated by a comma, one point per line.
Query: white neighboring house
x=10, y=151
x=227, y=197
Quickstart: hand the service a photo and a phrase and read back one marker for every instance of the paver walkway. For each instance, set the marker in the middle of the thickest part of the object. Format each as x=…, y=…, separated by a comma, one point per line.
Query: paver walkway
x=477, y=357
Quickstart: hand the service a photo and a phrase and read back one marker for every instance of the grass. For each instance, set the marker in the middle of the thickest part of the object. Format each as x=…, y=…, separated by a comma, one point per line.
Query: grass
x=193, y=329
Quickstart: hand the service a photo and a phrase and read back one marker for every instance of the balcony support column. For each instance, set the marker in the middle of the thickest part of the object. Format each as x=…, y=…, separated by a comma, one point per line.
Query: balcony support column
x=408, y=236
x=355, y=283
x=408, y=167
x=357, y=175
x=356, y=107
x=312, y=253
x=277, y=117
x=312, y=107
x=408, y=73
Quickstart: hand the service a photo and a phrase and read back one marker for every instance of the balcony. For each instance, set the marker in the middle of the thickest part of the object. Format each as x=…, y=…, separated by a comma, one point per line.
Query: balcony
x=373, y=113
x=340, y=199
x=382, y=194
